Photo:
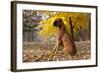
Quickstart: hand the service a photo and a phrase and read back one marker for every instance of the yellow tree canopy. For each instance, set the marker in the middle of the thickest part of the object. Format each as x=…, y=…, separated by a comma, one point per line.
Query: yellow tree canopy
x=78, y=19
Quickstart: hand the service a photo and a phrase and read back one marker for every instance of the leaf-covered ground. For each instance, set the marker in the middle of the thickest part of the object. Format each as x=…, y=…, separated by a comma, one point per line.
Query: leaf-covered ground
x=37, y=52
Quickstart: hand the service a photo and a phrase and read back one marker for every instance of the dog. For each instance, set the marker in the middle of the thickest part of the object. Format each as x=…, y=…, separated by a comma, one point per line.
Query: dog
x=63, y=39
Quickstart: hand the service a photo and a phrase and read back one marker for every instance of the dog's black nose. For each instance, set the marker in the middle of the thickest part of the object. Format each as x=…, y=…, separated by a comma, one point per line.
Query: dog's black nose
x=54, y=23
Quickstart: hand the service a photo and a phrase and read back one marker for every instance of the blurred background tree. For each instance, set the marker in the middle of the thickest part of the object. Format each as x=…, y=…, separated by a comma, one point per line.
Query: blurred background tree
x=37, y=24
x=31, y=20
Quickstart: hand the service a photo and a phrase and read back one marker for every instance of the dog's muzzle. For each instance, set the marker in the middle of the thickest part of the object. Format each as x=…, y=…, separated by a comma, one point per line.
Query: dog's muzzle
x=55, y=23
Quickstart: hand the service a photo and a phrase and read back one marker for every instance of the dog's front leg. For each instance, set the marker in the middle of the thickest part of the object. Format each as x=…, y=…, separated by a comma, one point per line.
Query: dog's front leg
x=57, y=47
x=55, y=50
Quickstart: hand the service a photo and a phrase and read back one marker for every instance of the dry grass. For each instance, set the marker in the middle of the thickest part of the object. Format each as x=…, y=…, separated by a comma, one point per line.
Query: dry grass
x=37, y=52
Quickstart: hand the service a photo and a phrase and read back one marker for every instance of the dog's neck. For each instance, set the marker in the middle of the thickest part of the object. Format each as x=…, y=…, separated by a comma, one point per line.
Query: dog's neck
x=62, y=28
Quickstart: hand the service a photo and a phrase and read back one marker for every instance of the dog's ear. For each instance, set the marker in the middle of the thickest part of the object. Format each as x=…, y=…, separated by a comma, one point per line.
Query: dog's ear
x=59, y=19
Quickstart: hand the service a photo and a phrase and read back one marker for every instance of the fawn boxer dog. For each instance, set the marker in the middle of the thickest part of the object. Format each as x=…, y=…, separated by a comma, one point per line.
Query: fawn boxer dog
x=63, y=39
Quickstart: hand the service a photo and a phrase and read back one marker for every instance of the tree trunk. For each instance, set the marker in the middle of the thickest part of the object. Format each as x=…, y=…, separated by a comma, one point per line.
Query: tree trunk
x=71, y=28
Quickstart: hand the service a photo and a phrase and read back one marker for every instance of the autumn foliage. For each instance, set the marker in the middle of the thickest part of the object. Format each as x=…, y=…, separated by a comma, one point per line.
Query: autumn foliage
x=39, y=35
x=79, y=20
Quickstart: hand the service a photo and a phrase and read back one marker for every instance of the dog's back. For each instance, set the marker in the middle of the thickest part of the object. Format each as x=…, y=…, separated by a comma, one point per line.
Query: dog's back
x=68, y=43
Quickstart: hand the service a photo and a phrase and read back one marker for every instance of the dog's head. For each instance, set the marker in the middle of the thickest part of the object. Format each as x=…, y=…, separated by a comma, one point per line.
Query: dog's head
x=58, y=22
